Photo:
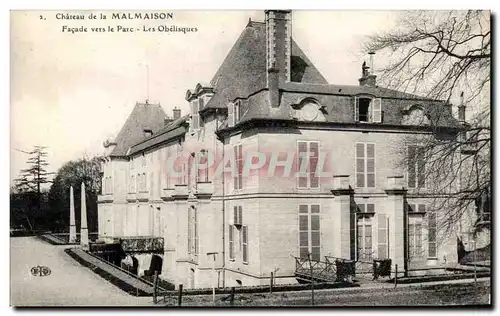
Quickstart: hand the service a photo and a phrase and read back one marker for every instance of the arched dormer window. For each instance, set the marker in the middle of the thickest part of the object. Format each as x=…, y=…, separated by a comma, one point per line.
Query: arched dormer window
x=415, y=115
x=309, y=110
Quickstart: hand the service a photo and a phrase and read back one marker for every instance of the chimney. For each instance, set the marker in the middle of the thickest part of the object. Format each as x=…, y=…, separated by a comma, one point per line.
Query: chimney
x=367, y=79
x=177, y=113
x=367, y=76
x=461, y=109
x=278, y=51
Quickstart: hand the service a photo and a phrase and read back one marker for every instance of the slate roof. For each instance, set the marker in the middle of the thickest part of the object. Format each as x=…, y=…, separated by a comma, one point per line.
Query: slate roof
x=143, y=116
x=170, y=131
x=243, y=71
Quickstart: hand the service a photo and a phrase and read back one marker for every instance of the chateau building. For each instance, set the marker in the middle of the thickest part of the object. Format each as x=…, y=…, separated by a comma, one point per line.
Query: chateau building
x=214, y=184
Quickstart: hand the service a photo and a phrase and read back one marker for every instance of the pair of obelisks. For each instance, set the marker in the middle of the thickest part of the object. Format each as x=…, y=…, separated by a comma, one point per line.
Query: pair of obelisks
x=84, y=231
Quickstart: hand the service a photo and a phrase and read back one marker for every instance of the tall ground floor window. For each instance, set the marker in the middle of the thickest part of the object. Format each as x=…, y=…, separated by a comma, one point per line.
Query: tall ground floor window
x=364, y=250
x=309, y=231
x=415, y=251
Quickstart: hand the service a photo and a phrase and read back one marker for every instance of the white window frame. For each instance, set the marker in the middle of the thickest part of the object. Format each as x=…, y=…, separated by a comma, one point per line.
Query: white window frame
x=364, y=221
x=372, y=111
x=365, y=159
x=308, y=173
x=420, y=254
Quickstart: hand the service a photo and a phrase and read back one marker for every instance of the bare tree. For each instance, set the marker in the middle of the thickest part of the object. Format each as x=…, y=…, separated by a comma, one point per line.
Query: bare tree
x=445, y=56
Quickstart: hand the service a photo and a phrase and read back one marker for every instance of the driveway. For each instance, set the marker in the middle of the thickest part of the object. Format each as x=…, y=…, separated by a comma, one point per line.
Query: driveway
x=69, y=283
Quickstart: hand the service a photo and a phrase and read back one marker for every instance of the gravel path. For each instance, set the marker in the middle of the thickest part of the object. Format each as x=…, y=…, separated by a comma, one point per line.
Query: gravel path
x=69, y=284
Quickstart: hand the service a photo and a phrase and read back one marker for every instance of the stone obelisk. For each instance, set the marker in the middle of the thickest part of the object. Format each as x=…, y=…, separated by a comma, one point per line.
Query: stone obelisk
x=72, y=226
x=84, y=231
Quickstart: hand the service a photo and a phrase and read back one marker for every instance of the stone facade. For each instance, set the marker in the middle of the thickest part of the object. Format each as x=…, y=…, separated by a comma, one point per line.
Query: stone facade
x=195, y=215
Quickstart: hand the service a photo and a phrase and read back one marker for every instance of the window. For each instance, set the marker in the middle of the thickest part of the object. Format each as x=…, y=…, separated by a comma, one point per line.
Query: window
x=144, y=182
x=237, y=109
x=158, y=184
x=202, y=173
x=367, y=110
x=309, y=232
x=365, y=165
x=195, y=116
x=416, y=208
x=151, y=183
x=238, y=215
x=238, y=179
x=432, y=232
x=414, y=241
x=193, y=242
x=483, y=206
x=201, y=101
x=416, y=167
x=244, y=230
x=132, y=184
x=308, y=155
x=364, y=240
x=383, y=236
x=366, y=207
x=231, y=242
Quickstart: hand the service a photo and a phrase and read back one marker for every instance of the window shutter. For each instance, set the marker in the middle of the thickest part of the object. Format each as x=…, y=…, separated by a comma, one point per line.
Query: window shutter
x=411, y=208
x=411, y=166
x=189, y=231
x=377, y=110
x=360, y=165
x=235, y=168
x=356, y=109
x=421, y=208
x=231, y=242
x=240, y=214
x=245, y=244
x=301, y=152
x=240, y=166
x=237, y=109
x=230, y=113
x=361, y=208
x=370, y=165
x=382, y=236
x=313, y=164
x=421, y=167
x=370, y=208
x=315, y=238
x=352, y=234
x=235, y=215
x=303, y=231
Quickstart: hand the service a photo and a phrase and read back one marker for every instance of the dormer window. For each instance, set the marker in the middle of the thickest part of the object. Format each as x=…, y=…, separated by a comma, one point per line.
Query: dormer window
x=148, y=133
x=195, y=116
x=367, y=110
x=233, y=111
x=237, y=108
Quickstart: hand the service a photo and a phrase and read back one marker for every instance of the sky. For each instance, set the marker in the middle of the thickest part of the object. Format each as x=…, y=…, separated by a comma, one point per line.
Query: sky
x=70, y=92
